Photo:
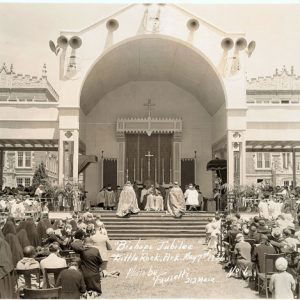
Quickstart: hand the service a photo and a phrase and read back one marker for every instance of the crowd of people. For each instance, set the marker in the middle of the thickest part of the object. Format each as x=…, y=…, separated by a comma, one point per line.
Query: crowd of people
x=77, y=246
x=243, y=245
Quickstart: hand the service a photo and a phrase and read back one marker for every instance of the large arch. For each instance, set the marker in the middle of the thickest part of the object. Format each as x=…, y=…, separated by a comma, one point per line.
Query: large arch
x=154, y=57
x=155, y=61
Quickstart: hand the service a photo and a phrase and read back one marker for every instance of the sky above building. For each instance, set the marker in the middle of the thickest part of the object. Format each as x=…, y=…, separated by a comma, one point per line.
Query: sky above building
x=25, y=30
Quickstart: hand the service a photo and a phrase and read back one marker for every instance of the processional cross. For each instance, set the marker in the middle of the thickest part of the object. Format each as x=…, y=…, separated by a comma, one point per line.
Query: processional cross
x=149, y=105
x=149, y=155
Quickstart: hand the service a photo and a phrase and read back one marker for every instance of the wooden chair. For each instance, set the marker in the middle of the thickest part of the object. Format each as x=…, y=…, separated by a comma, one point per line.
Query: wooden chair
x=53, y=293
x=263, y=279
x=55, y=272
x=27, y=276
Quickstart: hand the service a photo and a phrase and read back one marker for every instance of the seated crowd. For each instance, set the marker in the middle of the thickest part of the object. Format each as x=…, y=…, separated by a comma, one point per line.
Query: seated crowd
x=267, y=243
x=71, y=254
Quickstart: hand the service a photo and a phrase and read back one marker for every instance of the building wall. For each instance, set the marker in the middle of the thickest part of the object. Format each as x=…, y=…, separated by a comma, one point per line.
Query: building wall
x=128, y=101
x=11, y=171
x=277, y=174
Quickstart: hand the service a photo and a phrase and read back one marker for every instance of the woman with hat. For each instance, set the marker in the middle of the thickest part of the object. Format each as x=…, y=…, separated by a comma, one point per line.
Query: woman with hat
x=282, y=284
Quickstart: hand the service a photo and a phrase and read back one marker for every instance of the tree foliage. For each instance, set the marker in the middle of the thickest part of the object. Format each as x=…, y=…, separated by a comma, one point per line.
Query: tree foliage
x=40, y=177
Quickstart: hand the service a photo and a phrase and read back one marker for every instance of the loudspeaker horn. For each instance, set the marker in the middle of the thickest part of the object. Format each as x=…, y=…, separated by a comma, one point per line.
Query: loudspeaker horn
x=112, y=24
x=62, y=42
x=227, y=44
x=251, y=47
x=75, y=42
x=240, y=44
x=192, y=24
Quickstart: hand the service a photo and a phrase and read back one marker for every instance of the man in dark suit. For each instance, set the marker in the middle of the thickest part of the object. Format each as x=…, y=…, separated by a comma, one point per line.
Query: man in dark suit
x=72, y=282
x=90, y=265
x=259, y=252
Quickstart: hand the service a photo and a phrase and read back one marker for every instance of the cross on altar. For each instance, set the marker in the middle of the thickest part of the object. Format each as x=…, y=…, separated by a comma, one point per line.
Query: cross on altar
x=149, y=155
x=149, y=105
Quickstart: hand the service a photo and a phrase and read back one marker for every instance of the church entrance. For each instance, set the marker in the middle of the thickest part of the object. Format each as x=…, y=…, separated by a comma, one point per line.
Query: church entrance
x=148, y=159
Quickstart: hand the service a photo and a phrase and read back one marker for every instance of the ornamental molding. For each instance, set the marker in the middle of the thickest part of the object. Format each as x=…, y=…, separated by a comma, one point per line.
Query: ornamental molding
x=149, y=125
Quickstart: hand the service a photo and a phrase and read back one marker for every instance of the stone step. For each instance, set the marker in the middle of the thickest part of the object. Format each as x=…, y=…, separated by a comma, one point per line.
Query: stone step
x=144, y=236
x=154, y=223
x=150, y=219
x=161, y=226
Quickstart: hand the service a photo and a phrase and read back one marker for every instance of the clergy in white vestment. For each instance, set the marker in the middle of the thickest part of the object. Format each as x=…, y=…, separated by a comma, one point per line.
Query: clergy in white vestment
x=191, y=196
x=263, y=209
x=159, y=202
x=150, y=205
x=175, y=201
x=278, y=208
x=128, y=202
x=272, y=208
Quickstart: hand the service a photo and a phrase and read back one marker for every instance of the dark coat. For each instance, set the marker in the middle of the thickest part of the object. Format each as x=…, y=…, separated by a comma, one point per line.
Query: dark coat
x=72, y=284
x=91, y=262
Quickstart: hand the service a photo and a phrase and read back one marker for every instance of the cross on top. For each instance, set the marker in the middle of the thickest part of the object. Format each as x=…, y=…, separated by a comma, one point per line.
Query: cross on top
x=149, y=105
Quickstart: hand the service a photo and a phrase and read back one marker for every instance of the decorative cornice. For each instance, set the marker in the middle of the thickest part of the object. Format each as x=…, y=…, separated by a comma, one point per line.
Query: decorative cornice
x=149, y=125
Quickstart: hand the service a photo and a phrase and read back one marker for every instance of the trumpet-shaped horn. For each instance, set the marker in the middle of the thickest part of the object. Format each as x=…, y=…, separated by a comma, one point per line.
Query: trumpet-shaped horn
x=240, y=44
x=227, y=44
x=75, y=42
x=112, y=24
x=62, y=42
x=192, y=24
x=250, y=48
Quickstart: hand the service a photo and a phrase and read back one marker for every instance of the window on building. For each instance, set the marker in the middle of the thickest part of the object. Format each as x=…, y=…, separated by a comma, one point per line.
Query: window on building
x=28, y=159
x=20, y=159
x=19, y=181
x=263, y=160
x=24, y=159
x=27, y=182
x=286, y=160
x=267, y=160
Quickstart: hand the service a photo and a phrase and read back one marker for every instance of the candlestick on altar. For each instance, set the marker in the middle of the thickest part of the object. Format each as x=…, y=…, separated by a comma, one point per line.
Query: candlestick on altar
x=127, y=169
x=134, y=169
x=170, y=169
x=163, y=170
x=155, y=171
x=142, y=170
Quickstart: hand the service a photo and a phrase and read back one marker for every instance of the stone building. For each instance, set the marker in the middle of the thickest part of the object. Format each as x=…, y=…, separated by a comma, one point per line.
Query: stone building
x=274, y=97
x=19, y=162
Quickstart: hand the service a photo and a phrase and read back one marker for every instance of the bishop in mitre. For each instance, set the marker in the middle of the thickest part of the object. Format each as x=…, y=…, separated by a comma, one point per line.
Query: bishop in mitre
x=176, y=201
x=128, y=203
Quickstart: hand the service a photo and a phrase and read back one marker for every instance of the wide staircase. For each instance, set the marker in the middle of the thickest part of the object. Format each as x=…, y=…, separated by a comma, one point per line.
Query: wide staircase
x=152, y=225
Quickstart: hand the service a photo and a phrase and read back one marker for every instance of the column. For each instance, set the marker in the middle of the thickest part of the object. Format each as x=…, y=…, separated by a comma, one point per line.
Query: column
x=1, y=168
x=177, y=138
x=236, y=158
x=68, y=144
x=75, y=155
x=294, y=168
x=121, y=158
x=61, y=159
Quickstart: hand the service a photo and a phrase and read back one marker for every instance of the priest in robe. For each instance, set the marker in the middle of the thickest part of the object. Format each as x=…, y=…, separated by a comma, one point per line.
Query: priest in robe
x=176, y=201
x=143, y=198
x=128, y=203
x=110, y=198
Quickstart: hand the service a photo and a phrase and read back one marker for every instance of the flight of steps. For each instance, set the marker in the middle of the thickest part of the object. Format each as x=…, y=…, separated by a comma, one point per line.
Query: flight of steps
x=152, y=225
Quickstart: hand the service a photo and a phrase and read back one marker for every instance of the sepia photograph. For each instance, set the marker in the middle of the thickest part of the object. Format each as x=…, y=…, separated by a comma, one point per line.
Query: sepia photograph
x=149, y=150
